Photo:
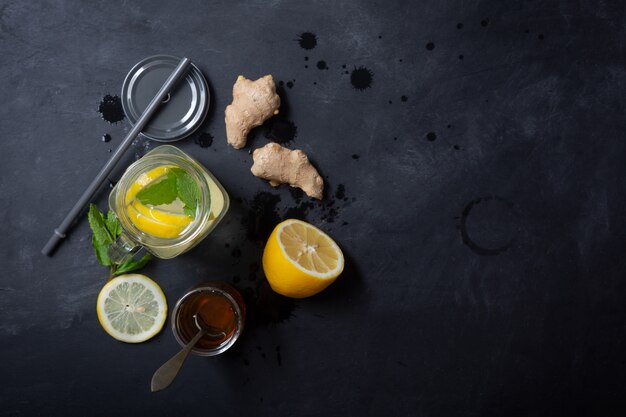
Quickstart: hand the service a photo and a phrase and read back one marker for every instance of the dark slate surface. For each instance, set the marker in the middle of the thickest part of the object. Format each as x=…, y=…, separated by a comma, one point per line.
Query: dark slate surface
x=483, y=218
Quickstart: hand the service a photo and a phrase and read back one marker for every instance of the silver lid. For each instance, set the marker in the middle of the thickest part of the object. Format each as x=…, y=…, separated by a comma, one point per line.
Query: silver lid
x=182, y=112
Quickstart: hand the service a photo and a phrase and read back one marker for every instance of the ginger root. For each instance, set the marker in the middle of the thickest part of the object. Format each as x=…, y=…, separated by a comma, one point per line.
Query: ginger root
x=253, y=103
x=283, y=166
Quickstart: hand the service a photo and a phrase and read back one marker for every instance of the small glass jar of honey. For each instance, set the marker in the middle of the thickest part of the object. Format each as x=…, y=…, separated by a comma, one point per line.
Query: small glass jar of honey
x=220, y=309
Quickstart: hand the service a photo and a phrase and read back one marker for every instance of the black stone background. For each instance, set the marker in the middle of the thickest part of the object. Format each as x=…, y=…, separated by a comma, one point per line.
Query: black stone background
x=483, y=220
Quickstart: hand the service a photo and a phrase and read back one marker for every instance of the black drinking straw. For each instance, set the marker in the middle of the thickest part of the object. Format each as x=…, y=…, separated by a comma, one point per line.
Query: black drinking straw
x=59, y=233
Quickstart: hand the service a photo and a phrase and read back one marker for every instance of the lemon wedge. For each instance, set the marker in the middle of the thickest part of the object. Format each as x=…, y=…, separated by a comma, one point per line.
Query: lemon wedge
x=150, y=225
x=131, y=308
x=300, y=260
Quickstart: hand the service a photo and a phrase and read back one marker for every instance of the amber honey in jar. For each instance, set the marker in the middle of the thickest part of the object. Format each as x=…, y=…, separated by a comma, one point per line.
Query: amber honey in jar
x=220, y=309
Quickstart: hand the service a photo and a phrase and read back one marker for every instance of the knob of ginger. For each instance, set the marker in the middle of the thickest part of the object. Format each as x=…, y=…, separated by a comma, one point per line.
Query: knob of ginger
x=253, y=103
x=283, y=166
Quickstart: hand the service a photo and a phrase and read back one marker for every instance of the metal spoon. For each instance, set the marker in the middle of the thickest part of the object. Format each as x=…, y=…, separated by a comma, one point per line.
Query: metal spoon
x=164, y=376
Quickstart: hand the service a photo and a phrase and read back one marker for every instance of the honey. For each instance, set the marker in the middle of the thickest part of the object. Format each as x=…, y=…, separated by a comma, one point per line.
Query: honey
x=219, y=308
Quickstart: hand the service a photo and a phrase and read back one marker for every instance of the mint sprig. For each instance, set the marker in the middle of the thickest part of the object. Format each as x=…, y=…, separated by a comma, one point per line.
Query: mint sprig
x=177, y=183
x=105, y=230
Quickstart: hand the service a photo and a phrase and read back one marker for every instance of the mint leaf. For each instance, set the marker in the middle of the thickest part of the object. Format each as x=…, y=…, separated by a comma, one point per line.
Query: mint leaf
x=101, y=233
x=133, y=265
x=162, y=192
x=113, y=225
x=188, y=191
x=101, y=251
x=105, y=230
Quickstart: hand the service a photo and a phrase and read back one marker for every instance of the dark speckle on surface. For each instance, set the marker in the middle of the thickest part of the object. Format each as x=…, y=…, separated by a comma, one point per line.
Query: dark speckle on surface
x=110, y=108
x=322, y=65
x=484, y=22
x=270, y=307
x=430, y=46
x=355, y=156
x=307, y=40
x=340, y=193
x=361, y=78
x=431, y=136
x=106, y=138
x=204, y=139
x=404, y=98
x=281, y=130
x=262, y=216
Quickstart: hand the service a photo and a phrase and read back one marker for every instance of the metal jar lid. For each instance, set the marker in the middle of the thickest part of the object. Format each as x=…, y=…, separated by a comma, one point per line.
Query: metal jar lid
x=182, y=112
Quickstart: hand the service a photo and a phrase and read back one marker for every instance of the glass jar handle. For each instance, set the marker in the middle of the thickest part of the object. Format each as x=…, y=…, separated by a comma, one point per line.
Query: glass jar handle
x=122, y=249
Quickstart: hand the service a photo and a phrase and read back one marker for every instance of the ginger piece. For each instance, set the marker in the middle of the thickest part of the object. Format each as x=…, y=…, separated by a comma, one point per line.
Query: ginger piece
x=253, y=103
x=283, y=166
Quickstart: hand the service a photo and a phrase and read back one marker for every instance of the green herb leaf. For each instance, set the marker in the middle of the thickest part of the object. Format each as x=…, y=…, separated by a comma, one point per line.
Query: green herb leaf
x=162, y=192
x=105, y=230
x=102, y=252
x=101, y=233
x=133, y=265
x=187, y=190
x=189, y=212
x=113, y=225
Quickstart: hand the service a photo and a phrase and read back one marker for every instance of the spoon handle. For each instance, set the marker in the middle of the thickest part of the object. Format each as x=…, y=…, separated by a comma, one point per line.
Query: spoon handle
x=164, y=376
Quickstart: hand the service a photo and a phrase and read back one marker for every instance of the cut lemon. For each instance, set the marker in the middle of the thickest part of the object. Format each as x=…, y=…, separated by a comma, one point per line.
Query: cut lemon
x=162, y=216
x=156, y=222
x=300, y=260
x=131, y=308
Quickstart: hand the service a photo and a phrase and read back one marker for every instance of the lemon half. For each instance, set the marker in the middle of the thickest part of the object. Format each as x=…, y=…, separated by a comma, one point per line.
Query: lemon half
x=132, y=308
x=300, y=260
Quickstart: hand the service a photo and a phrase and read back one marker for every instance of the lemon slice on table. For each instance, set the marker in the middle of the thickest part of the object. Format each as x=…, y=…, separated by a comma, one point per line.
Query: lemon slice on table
x=131, y=308
x=300, y=260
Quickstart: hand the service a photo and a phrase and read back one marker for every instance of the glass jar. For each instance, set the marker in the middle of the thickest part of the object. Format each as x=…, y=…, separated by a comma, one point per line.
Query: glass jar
x=221, y=309
x=212, y=205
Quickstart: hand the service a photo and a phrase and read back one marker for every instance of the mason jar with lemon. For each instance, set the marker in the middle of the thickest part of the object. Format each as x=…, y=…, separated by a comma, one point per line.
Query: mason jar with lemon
x=167, y=203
